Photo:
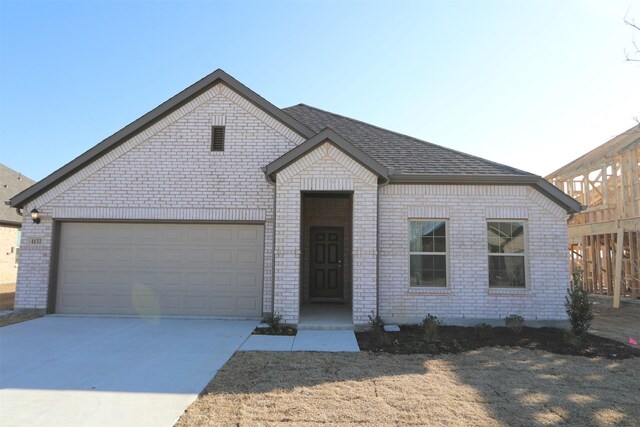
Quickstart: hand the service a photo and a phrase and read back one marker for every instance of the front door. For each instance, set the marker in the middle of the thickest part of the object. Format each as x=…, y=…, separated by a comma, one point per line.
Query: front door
x=325, y=266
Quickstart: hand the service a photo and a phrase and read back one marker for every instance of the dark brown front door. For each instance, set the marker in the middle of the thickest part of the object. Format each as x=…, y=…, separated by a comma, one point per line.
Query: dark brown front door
x=325, y=265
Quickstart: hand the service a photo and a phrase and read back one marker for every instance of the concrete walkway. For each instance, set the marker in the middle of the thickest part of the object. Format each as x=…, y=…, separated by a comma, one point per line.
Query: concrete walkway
x=92, y=371
x=305, y=340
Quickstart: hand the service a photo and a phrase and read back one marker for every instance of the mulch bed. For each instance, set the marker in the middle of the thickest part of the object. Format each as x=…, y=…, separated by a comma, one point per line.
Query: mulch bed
x=286, y=331
x=458, y=339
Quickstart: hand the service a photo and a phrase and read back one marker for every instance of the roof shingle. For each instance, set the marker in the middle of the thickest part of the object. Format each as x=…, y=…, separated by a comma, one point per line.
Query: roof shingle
x=400, y=153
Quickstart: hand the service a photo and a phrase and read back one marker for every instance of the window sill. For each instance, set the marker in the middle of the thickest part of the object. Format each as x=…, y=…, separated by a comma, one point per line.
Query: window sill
x=429, y=291
x=509, y=292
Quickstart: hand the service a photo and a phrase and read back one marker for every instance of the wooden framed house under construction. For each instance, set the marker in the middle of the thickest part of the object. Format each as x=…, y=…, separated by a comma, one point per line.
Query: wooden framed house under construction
x=603, y=238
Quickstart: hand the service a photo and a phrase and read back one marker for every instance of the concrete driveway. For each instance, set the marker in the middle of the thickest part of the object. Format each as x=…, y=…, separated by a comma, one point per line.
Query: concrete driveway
x=94, y=371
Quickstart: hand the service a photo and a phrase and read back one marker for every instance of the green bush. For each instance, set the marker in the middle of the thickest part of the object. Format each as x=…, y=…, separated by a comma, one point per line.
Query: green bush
x=578, y=309
x=430, y=325
x=273, y=321
x=514, y=322
x=375, y=322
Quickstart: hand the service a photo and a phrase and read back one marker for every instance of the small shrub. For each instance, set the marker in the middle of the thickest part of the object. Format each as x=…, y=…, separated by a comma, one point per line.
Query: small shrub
x=577, y=277
x=430, y=325
x=376, y=325
x=375, y=322
x=273, y=321
x=484, y=331
x=514, y=322
x=578, y=309
x=453, y=346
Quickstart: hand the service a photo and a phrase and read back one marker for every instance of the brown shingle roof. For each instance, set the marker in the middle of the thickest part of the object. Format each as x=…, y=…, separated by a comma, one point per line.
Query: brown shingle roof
x=400, y=153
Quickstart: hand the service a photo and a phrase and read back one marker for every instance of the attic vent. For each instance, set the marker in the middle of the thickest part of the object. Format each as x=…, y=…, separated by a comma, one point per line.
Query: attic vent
x=217, y=138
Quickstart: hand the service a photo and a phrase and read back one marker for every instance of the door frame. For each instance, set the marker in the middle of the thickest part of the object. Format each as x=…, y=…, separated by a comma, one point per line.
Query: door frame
x=310, y=257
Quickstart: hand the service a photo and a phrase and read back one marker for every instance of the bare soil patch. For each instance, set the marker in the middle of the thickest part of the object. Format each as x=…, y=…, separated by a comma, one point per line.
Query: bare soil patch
x=618, y=324
x=457, y=339
x=13, y=318
x=490, y=386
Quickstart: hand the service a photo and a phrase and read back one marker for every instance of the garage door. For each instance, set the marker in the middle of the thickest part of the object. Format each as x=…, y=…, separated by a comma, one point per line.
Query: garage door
x=160, y=269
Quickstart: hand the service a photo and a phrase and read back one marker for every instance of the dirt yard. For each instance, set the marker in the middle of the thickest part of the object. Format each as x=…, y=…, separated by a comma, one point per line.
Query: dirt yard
x=618, y=324
x=7, y=295
x=490, y=386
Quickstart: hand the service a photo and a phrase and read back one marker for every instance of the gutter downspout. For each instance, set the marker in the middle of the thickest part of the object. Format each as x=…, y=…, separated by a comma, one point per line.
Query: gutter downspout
x=273, y=243
x=384, y=184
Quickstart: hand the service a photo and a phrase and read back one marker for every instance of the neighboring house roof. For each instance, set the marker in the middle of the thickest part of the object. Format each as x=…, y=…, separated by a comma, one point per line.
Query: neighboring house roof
x=594, y=158
x=405, y=159
x=11, y=183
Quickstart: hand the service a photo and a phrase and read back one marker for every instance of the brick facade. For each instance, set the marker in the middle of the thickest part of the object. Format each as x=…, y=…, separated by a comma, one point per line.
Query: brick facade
x=467, y=209
x=168, y=172
x=325, y=169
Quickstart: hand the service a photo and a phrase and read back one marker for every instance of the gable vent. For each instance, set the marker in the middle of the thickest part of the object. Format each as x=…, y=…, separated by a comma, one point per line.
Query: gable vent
x=217, y=138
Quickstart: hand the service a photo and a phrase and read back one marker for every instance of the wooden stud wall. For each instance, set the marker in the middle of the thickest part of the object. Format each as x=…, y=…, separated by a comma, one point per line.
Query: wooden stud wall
x=610, y=188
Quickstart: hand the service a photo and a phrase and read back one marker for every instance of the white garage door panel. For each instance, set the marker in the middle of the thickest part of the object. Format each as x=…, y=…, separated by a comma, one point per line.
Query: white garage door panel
x=160, y=269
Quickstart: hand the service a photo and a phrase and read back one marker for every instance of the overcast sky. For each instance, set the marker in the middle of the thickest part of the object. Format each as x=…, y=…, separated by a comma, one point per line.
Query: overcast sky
x=529, y=84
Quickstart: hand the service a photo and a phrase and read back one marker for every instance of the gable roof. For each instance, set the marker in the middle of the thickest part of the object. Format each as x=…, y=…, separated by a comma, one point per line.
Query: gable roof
x=152, y=117
x=324, y=135
x=413, y=161
x=11, y=183
x=405, y=159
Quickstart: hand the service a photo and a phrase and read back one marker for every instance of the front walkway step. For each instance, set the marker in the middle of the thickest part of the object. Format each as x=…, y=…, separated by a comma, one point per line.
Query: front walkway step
x=305, y=340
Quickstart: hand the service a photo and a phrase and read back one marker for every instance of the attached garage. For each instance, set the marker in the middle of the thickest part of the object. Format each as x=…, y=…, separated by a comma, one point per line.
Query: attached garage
x=160, y=269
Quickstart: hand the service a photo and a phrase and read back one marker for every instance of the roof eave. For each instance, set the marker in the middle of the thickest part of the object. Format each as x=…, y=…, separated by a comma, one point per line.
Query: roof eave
x=539, y=183
x=139, y=125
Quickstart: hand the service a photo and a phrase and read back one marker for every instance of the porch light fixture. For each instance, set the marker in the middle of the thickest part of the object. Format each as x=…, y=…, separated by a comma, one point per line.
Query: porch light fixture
x=35, y=216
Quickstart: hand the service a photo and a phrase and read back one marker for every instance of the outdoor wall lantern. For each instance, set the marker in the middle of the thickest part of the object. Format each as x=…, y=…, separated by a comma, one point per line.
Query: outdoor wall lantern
x=35, y=216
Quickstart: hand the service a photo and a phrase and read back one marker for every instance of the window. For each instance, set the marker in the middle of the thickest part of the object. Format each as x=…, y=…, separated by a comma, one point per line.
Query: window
x=217, y=138
x=506, y=247
x=427, y=253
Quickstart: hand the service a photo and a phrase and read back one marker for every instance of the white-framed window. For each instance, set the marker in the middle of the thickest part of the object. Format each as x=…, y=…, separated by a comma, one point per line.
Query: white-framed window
x=507, y=253
x=428, y=253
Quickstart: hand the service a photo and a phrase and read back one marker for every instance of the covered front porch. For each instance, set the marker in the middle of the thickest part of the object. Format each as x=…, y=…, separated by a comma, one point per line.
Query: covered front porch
x=325, y=269
x=326, y=261
x=325, y=316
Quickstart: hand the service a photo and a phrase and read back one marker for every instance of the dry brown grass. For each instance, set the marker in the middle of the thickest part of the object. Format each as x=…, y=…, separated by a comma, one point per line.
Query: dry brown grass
x=491, y=386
